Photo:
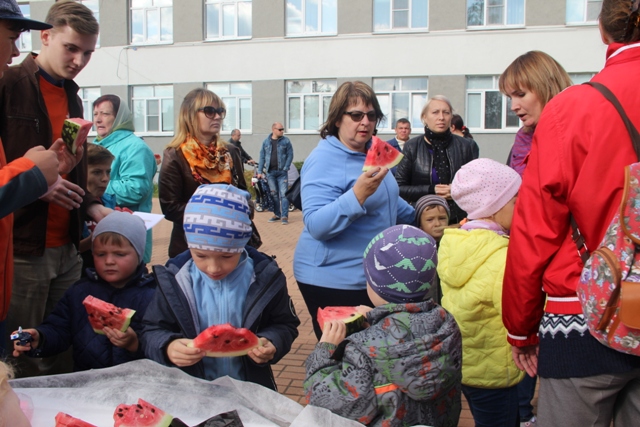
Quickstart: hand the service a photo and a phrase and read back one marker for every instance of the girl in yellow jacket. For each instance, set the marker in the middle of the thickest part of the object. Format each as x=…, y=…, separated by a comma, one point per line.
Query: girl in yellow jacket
x=471, y=267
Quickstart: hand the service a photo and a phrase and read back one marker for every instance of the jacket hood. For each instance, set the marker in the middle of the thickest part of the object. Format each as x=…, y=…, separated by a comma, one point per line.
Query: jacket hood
x=462, y=252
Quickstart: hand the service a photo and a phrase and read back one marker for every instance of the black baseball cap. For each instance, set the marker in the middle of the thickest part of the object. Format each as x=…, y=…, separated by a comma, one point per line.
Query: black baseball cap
x=10, y=11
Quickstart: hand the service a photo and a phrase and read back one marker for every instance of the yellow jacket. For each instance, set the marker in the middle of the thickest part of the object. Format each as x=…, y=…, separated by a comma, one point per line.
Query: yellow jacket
x=471, y=266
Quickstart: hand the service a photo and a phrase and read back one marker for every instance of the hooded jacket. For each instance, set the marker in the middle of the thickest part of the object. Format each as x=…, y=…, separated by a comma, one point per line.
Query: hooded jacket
x=402, y=370
x=471, y=266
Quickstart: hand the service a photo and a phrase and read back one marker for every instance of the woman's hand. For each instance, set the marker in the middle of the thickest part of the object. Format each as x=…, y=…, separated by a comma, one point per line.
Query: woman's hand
x=443, y=190
x=368, y=183
x=264, y=353
x=181, y=355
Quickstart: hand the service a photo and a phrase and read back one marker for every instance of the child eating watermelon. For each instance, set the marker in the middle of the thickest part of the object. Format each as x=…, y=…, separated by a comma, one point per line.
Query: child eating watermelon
x=120, y=278
x=405, y=369
x=220, y=280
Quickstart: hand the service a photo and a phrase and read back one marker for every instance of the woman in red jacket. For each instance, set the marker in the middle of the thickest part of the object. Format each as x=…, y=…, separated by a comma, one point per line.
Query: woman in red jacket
x=576, y=166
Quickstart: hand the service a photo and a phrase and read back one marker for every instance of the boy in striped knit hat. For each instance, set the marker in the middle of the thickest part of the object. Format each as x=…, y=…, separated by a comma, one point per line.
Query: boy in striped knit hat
x=220, y=280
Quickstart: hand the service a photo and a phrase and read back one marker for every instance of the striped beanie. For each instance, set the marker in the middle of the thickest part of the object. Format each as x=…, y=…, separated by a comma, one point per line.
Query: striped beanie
x=217, y=219
x=430, y=200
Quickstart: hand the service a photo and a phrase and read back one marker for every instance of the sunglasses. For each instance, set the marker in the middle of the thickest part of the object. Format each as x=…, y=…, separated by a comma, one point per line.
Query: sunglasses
x=211, y=112
x=280, y=129
x=357, y=116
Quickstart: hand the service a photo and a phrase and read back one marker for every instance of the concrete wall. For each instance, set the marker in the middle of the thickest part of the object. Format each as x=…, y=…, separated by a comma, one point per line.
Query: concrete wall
x=355, y=16
x=545, y=12
x=114, y=23
x=268, y=18
x=447, y=15
x=188, y=21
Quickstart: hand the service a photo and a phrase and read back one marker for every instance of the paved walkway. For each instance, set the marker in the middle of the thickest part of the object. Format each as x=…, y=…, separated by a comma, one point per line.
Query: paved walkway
x=279, y=240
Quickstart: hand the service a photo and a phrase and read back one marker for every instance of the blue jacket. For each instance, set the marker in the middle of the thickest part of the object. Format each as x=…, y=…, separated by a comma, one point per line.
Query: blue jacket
x=68, y=324
x=285, y=154
x=268, y=312
x=336, y=228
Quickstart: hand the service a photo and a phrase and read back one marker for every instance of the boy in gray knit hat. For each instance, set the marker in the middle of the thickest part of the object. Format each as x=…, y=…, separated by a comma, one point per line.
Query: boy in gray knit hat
x=120, y=278
x=405, y=368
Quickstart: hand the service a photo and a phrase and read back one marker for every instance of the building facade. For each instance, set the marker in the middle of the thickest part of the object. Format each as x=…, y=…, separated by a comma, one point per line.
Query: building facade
x=281, y=60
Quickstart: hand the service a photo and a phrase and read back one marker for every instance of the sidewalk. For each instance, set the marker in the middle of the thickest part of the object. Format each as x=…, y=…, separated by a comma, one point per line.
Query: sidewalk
x=279, y=240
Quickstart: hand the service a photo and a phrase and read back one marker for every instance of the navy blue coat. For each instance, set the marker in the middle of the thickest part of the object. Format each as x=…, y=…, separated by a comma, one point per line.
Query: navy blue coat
x=68, y=324
x=268, y=312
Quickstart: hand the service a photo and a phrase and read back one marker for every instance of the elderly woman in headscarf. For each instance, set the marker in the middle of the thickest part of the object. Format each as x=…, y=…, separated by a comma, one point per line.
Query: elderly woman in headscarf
x=134, y=165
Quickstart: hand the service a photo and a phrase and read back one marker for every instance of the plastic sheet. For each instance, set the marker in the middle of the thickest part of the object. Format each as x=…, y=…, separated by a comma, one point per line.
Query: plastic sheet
x=93, y=396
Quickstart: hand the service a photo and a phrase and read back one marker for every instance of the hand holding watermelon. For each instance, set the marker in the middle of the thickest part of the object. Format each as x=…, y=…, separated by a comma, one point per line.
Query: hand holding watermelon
x=264, y=352
x=66, y=159
x=368, y=183
x=334, y=332
x=181, y=354
x=35, y=341
x=127, y=340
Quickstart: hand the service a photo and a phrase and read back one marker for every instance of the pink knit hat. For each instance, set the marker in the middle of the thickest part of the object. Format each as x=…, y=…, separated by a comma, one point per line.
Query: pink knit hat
x=483, y=186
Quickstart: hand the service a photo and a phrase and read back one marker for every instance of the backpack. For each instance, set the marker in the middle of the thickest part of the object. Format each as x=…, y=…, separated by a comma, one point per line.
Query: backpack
x=609, y=287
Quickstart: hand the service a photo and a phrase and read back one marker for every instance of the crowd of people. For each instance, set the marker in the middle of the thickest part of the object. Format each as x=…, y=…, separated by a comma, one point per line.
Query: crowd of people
x=465, y=269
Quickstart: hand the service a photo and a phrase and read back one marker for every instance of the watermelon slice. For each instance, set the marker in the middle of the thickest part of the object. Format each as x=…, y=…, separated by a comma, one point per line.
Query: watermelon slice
x=103, y=314
x=74, y=133
x=225, y=341
x=143, y=414
x=66, y=420
x=381, y=154
x=349, y=315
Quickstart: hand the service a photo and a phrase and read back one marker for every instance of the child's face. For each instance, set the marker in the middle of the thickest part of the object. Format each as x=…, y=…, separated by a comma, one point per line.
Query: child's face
x=215, y=264
x=433, y=221
x=376, y=299
x=115, y=264
x=505, y=215
x=98, y=178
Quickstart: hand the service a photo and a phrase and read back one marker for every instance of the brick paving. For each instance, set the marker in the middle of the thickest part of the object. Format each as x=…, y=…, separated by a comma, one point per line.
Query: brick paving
x=279, y=240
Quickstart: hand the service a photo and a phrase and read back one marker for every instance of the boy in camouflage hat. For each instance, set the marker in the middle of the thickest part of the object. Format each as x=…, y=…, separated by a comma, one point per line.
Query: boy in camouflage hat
x=405, y=368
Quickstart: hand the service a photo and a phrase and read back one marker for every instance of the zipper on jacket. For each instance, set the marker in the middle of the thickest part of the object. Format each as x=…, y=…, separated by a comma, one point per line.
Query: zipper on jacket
x=34, y=119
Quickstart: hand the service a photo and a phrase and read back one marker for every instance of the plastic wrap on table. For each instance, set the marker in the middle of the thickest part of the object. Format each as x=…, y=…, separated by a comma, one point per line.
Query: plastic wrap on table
x=93, y=396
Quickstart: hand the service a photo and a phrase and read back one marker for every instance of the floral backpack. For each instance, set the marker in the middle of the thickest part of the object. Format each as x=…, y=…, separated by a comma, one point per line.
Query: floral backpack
x=609, y=287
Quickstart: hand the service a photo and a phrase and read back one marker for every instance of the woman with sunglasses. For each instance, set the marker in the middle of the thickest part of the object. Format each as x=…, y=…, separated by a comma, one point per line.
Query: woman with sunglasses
x=575, y=169
x=195, y=156
x=431, y=160
x=343, y=207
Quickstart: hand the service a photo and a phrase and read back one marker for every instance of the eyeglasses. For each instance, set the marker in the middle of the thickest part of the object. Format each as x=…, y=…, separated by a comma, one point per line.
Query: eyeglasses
x=280, y=129
x=357, y=116
x=211, y=112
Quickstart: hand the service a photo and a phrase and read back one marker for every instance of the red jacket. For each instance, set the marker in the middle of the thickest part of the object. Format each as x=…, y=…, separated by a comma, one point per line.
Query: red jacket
x=576, y=165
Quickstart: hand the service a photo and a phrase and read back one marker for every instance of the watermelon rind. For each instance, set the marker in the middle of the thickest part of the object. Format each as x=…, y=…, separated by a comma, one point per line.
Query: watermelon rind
x=103, y=308
x=354, y=320
x=371, y=160
x=205, y=339
x=71, y=130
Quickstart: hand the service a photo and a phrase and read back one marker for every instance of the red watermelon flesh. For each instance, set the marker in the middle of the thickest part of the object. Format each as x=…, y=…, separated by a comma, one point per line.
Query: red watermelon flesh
x=349, y=315
x=66, y=420
x=102, y=313
x=226, y=341
x=74, y=133
x=381, y=154
x=143, y=414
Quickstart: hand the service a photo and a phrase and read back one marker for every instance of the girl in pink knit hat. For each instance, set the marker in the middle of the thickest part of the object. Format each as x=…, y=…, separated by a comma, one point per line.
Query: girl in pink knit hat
x=472, y=261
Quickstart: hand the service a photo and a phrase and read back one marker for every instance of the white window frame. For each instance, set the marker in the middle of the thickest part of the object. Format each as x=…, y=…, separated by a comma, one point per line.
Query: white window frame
x=324, y=7
x=486, y=9
x=94, y=6
x=387, y=8
x=157, y=8
x=24, y=41
x=162, y=102
x=584, y=5
x=232, y=120
x=579, y=78
x=505, y=112
x=389, y=123
x=222, y=5
x=302, y=96
x=88, y=95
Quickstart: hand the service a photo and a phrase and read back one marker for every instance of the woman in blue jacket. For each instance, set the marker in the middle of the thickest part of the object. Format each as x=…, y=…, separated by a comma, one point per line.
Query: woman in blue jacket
x=344, y=208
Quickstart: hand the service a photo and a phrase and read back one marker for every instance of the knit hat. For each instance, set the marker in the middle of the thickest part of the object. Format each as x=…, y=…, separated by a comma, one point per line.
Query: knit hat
x=430, y=200
x=483, y=186
x=217, y=219
x=400, y=264
x=127, y=225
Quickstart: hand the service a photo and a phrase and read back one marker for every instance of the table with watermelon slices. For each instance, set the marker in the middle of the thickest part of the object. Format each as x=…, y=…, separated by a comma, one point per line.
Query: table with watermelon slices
x=94, y=395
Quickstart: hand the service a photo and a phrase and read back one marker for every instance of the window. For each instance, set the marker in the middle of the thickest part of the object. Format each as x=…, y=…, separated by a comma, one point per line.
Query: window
x=88, y=96
x=228, y=19
x=153, y=109
x=312, y=17
x=237, y=98
x=401, y=98
x=151, y=21
x=94, y=6
x=579, y=78
x=495, y=13
x=308, y=103
x=487, y=108
x=583, y=11
x=393, y=15
x=24, y=42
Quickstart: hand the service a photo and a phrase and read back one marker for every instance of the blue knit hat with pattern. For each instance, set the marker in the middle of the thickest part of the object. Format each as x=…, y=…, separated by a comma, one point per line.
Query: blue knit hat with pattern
x=400, y=264
x=217, y=219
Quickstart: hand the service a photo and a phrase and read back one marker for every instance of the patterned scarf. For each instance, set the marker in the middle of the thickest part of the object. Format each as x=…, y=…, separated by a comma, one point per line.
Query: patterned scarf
x=209, y=164
x=440, y=142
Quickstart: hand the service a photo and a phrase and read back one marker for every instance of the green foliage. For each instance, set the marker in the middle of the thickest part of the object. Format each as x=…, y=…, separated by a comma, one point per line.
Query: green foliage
x=298, y=165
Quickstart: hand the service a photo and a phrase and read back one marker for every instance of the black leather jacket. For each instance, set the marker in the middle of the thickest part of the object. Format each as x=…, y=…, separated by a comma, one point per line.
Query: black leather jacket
x=414, y=171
